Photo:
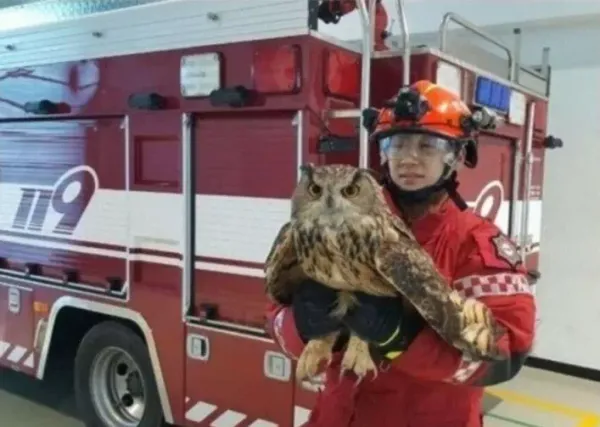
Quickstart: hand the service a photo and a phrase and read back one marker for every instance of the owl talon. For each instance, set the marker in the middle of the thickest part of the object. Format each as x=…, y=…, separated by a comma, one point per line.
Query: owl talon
x=315, y=352
x=357, y=358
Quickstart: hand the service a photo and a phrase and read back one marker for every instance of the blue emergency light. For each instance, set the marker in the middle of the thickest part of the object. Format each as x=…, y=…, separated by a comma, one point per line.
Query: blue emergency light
x=491, y=94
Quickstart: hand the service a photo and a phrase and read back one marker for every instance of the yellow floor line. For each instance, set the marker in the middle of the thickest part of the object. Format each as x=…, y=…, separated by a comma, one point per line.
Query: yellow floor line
x=584, y=418
x=591, y=421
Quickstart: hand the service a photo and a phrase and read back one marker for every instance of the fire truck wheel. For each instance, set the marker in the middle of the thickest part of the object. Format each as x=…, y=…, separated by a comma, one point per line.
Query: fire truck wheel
x=114, y=381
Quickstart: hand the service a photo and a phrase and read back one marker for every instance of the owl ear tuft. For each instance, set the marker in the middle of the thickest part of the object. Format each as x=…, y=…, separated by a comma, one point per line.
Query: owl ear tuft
x=307, y=170
x=377, y=175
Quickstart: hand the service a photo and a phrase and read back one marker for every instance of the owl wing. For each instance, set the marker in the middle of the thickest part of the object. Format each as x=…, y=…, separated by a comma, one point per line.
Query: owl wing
x=282, y=269
x=466, y=324
x=400, y=227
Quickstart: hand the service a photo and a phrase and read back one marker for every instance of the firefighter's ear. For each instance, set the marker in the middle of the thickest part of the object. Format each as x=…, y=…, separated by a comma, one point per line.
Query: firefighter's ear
x=460, y=158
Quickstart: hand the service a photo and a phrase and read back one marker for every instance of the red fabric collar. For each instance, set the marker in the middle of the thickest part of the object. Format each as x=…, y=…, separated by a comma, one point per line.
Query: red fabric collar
x=427, y=225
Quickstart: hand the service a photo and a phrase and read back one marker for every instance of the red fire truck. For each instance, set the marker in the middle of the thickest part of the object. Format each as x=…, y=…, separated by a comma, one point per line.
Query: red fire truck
x=147, y=157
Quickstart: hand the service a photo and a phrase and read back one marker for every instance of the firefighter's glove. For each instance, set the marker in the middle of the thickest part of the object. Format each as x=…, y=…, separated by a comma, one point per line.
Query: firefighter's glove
x=379, y=320
x=312, y=305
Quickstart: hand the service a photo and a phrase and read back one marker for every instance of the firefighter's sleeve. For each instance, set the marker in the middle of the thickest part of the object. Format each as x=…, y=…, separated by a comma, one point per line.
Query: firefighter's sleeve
x=489, y=270
x=281, y=327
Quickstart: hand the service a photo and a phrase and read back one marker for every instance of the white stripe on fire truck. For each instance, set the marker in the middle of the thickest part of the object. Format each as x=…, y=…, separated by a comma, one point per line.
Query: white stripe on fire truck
x=30, y=361
x=301, y=415
x=227, y=227
x=4, y=346
x=200, y=411
x=263, y=423
x=16, y=354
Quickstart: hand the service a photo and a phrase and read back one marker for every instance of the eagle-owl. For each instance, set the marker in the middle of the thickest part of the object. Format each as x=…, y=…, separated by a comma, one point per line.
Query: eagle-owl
x=343, y=234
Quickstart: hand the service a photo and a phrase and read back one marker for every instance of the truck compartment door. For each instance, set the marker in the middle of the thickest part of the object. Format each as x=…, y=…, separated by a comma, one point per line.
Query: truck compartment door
x=16, y=328
x=241, y=170
x=63, y=210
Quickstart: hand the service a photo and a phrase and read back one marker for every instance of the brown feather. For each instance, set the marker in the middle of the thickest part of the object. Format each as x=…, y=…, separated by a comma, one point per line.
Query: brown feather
x=343, y=235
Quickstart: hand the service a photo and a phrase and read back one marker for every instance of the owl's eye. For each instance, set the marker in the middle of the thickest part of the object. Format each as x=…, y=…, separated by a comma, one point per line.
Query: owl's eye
x=351, y=190
x=314, y=190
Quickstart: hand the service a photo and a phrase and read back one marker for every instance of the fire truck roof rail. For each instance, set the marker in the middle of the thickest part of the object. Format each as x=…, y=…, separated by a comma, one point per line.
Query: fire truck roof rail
x=515, y=68
x=453, y=17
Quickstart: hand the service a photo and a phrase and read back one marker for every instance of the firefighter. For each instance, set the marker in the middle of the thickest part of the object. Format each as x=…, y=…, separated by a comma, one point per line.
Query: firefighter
x=425, y=136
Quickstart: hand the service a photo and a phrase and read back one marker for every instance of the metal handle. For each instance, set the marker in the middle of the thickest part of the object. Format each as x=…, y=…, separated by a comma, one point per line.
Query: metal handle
x=453, y=17
x=367, y=15
x=406, y=41
x=189, y=197
x=517, y=167
x=367, y=20
x=527, y=172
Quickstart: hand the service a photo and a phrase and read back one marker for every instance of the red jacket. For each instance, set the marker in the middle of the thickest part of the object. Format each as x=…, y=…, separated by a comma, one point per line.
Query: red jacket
x=430, y=384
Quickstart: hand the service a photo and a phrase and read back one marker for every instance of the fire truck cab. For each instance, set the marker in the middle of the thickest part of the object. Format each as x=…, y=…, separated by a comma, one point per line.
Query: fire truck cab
x=147, y=157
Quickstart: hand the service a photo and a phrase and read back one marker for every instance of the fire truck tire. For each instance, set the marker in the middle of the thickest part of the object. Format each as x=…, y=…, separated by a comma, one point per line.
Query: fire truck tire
x=114, y=381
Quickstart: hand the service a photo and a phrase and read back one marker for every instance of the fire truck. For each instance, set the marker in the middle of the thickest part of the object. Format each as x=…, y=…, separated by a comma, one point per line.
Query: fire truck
x=148, y=150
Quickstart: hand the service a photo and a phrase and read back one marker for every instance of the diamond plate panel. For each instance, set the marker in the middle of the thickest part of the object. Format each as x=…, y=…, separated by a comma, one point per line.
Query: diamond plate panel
x=20, y=14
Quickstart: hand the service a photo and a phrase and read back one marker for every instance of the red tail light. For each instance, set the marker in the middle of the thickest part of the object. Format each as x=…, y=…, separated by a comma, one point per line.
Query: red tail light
x=277, y=69
x=342, y=74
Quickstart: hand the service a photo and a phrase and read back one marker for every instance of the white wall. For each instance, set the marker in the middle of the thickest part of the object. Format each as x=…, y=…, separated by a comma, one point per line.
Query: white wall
x=569, y=290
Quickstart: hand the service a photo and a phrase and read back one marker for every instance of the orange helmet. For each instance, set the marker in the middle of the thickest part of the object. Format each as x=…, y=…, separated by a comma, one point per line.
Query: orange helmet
x=426, y=107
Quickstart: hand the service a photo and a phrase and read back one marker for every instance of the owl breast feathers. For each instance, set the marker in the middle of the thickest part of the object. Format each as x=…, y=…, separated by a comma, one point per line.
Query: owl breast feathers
x=343, y=234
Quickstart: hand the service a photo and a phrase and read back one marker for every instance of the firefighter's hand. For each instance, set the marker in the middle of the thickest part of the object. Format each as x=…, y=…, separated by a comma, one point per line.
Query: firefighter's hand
x=382, y=322
x=312, y=305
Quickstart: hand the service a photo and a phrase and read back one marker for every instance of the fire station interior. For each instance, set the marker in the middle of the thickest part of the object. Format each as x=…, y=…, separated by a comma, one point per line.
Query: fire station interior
x=532, y=65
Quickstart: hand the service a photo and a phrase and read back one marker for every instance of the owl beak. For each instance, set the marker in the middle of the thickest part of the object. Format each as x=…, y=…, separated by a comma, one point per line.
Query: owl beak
x=329, y=202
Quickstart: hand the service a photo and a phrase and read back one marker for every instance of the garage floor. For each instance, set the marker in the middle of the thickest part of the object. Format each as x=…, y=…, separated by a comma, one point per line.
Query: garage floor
x=539, y=398
x=534, y=399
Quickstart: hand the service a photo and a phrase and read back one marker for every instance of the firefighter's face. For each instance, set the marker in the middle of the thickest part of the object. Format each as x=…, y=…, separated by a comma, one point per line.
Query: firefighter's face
x=417, y=160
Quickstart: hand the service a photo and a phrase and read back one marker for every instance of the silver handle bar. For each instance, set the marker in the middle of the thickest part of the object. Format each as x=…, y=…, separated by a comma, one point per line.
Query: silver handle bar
x=453, y=17
x=367, y=15
x=367, y=18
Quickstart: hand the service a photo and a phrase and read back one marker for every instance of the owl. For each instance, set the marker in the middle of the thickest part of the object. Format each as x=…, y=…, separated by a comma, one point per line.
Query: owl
x=343, y=234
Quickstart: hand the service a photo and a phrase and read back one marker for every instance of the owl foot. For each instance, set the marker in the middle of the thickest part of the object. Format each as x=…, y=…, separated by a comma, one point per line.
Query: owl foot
x=482, y=342
x=474, y=311
x=315, y=351
x=479, y=329
x=357, y=358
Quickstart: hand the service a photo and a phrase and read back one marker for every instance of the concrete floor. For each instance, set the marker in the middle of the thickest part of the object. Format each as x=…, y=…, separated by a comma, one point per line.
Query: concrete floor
x=539, y=398
x=26, y=402
x=534, y=399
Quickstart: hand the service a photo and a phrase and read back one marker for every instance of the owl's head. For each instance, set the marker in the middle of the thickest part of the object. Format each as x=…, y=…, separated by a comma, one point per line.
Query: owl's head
x=336, y=190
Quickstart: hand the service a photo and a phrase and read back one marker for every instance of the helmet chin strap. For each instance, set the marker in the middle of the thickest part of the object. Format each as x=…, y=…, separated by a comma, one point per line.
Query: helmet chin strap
x=447, y=183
